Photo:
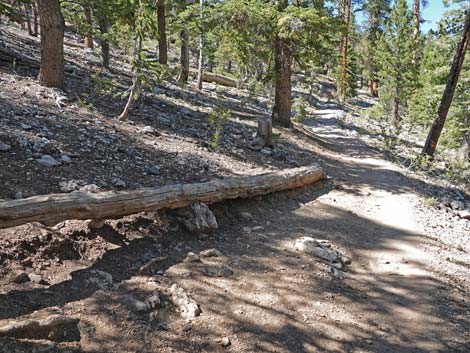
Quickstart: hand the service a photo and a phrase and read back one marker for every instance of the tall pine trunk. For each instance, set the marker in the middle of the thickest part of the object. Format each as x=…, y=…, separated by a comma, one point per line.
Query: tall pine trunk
x=184, y=58
x=51, y=73
x=417, y=22
x=27, y=11
x=282, y=71
x=201, y=47
x=162, y=41
x=283, y=87
x=35, y=18
x=446, y=101
x=344, y=47
x=103, y=24
x=89, y=23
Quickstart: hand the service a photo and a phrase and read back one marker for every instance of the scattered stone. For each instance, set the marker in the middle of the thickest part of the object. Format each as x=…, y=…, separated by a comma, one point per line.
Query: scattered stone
x=225, y=342
x=325, y=254
x=465, y=214
x=4, y=147
x=197, y=218
x=118, y=183
x=187, y=306
x=247, y=230
x=318, y=248
x=338, y=273
x=43, y=145
x=70, y=185
x=91, y=188
x=191, y=257
x=25, y=126
x=101, y=279
x=457, y=205
x=257, y=229
x=211, y=253
x=66, y=159
x=48, y=160
x=18, y=196
x=203, y=236
x=152, y=169
x=52, y=327
x=16, y=276
x=246, y=216
x=266, y=151
x=23, y=141
x=149, y=130
x=35, y=277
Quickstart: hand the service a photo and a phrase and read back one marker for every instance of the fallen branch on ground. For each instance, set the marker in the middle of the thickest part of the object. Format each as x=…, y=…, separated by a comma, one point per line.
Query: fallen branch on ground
x=54, y=208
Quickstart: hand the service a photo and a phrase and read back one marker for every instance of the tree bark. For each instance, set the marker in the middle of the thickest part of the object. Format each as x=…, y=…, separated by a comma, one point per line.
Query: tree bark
x=27, y=10
x=395, y=111
x=265, y=131
x=344, y=48
x=162, y=40
x=54, y=208
x=201, y=47
x=35, y=18
x=103, y=24
x=417, y=22
x=184, y=58
x=89, y=23
x=282, y=71
x=452, y=80
x=51, y=73
x=135, y=79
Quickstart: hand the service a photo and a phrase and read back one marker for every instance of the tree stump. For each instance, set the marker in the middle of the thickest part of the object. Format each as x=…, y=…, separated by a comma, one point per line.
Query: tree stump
x=265, y=131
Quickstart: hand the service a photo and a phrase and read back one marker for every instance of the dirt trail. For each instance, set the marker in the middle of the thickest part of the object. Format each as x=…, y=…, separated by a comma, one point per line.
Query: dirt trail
x=400, y=293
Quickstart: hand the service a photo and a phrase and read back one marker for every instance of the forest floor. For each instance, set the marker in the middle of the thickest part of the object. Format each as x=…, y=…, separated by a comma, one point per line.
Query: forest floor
x=406, y=289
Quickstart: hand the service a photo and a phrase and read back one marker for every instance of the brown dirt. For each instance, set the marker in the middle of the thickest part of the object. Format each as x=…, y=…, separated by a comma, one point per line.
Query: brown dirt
x=406, y=289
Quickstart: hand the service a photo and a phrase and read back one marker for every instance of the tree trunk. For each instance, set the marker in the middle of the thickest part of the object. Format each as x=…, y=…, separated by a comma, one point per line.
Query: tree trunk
x=229, y=67
x=446, y=101
x=89, y=23
x=162, y=40
x=135, y=79
x=27, y=11
x=417, y=22
x=35, y=19
x=51, y=73
x=265, y=131
x=103, y=23
x=395, y=110
x=374, y=88
x=201, y=47
x=344, y=48
x=52, y=209
x=184, y=59
x=283, y=87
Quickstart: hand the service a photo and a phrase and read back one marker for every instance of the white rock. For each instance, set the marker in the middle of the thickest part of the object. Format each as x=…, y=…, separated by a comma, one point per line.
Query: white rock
x=66, y=159
x=48, y=161
x=4, y=147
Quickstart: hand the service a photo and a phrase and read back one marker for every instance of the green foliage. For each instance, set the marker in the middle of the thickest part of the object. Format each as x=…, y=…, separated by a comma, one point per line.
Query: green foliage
x=397, y=70
x=217, y=119
x=299, y=107
x=435, y=66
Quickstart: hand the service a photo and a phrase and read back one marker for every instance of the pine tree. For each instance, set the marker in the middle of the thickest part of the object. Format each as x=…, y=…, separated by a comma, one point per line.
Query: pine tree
x=395, y=57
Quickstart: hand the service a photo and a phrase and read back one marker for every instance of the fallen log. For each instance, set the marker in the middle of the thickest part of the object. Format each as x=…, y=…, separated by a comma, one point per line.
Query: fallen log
x=54, y=208
x=220, y=79
x=217, y=78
